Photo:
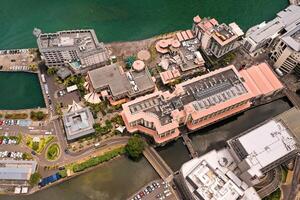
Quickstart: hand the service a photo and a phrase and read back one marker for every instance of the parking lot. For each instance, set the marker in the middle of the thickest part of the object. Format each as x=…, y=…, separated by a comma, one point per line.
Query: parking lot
x=11, y=128
x=15, y=58
x=154, y=190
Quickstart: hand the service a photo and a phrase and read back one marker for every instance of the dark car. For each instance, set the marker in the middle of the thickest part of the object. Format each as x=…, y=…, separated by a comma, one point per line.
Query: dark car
x=33, y=153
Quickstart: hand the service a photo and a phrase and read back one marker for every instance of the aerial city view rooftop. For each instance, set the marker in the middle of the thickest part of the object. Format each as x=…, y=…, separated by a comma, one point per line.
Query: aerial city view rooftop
x=208, y=109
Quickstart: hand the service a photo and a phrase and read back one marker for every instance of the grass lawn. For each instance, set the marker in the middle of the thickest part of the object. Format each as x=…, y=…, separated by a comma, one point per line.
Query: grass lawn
x=38, y=146
x=53, y=152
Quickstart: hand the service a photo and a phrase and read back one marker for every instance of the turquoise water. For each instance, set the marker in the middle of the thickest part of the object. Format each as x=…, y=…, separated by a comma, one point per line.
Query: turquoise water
x=122, y=20
x=20, y=90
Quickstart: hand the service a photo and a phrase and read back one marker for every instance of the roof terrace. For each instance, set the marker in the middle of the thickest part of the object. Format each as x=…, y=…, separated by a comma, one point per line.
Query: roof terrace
x=84, y=39
x=223, y=34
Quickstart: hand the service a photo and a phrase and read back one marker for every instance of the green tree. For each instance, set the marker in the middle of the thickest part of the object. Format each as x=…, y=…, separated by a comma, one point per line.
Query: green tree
x=35, y=146
x=51, y=71
x=34, y=179
x=37, y=116
x=135, y=147
x=129, y=61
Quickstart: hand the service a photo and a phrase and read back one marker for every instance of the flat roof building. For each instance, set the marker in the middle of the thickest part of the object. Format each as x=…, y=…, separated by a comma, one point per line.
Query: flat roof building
x=211, y=176
x=216, y=39
x=199, y=102
x=78, y=122
x=119, y=84
x=79, y=50
x=17, y=170
x=266, y=146
x=262, y=35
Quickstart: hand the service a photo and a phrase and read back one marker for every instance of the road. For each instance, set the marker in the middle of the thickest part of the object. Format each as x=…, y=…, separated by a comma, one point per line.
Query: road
x=66, y=158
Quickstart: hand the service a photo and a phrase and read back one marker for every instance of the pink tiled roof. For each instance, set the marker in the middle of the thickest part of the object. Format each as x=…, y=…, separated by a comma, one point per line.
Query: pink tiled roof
x=184, y=35
x=213, y=21
x=261, y=79
x=197, y=19
x=190, y=34
x=179, y=36
x=207, y=25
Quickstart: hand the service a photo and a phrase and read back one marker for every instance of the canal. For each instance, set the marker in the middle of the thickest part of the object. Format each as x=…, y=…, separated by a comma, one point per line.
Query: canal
x=20, y=90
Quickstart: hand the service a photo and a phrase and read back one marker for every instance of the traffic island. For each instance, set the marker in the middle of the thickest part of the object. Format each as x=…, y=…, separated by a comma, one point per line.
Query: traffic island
x=53, y=152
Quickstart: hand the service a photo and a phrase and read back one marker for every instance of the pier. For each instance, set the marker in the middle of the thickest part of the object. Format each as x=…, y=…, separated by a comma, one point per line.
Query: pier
x=160, y=166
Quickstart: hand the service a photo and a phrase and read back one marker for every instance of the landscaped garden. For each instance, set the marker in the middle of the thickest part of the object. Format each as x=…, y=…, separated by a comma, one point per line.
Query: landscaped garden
x=53, y=152
x=37, y=116
x=38, y=144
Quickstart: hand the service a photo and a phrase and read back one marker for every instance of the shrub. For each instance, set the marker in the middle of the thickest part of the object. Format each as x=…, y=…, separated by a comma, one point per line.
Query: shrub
x=62, y=173
x=129, y=61
x=16, y=116
x=118, y=120
x=34, y=179
x=97, y=160
x=35, y=146
x=53, y=152
x=37, y=116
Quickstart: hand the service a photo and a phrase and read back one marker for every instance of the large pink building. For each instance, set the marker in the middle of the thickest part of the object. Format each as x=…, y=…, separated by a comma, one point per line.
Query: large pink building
x=200, y=101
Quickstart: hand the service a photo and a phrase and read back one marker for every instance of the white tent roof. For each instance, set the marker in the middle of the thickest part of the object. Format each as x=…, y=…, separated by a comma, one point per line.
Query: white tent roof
x=75, y=106
x=92, y=98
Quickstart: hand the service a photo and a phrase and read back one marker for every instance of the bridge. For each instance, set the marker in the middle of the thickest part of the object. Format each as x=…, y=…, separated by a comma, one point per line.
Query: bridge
x=160, y=166
x=188, y=143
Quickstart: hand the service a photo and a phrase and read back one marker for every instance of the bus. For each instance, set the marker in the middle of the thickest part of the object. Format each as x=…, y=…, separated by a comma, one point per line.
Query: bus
x=43, y=78
x=46, y=89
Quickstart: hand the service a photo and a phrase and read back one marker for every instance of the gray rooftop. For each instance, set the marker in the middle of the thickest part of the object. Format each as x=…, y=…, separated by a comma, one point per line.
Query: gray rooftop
x=63, y=73
x=120, y=82
x=78, y=123
x=290, y=15
x=292, y=38
x=84, y=42
x=17, y=169
x=86, y=38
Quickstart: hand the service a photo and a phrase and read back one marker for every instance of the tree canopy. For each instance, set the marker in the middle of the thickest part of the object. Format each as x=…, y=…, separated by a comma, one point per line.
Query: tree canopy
x=34, y=179
x=135, y=147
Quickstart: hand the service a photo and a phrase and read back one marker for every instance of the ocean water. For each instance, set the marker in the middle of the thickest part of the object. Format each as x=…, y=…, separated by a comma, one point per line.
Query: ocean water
x=122, y=20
